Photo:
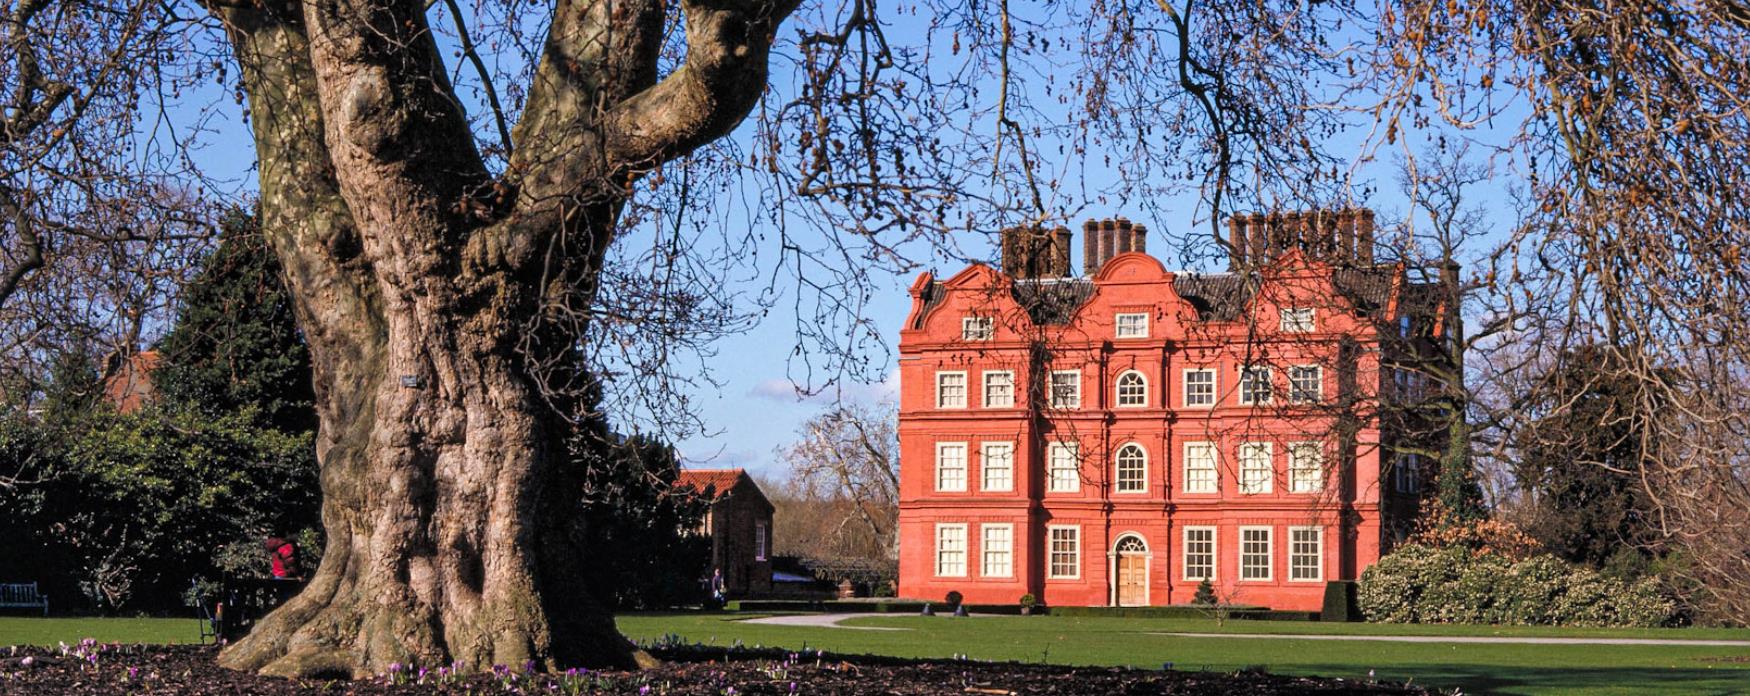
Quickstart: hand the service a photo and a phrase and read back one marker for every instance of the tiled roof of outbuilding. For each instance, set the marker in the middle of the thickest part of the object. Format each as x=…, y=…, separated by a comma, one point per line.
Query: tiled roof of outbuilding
x=719, y=481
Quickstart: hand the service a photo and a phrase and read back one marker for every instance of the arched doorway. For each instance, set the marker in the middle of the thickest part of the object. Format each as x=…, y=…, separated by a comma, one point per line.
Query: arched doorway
x=1132, y=571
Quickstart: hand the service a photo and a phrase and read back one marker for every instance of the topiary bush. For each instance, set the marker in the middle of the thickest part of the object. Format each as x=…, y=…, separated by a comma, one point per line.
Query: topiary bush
x=1205, y=594
x=1419, y=584
x=954, y=598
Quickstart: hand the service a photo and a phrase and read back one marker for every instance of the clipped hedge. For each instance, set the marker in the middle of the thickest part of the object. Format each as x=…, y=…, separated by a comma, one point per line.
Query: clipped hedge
x=1186, y=611
x=1419, y=584
x=829, y=606
x=1339, y=604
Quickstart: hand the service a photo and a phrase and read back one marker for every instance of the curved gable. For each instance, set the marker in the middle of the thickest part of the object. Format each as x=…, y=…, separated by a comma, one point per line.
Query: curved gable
x=1297, y=280
x=1132, y=267
x=979, y=290
x=1135, y=282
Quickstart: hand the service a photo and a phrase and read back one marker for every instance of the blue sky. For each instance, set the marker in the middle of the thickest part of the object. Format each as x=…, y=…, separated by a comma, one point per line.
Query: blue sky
x=757, y=408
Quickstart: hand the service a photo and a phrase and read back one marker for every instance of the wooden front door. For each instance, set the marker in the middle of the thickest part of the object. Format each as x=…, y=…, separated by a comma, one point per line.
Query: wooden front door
x=1132, y=573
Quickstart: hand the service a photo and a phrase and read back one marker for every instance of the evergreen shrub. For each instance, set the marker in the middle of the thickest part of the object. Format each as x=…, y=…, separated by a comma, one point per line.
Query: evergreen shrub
x=1420, y=584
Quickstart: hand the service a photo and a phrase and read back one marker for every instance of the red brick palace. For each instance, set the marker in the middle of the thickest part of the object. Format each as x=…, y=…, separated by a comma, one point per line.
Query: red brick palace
x=1114, y=438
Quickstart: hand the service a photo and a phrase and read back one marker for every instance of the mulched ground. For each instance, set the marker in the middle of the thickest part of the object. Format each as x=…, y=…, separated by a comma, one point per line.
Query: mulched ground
x=92, y=668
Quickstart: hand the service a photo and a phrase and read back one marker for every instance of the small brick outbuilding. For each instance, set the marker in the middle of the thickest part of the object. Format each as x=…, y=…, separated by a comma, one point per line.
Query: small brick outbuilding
x=740, y=526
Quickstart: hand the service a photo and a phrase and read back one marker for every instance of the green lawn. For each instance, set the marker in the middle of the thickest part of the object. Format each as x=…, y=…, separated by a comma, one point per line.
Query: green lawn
x=40, y=631
x=1505, y=669
x=1476, y=668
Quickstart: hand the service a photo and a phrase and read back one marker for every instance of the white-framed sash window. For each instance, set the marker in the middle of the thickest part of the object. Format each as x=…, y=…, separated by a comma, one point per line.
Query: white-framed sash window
x=951, y=467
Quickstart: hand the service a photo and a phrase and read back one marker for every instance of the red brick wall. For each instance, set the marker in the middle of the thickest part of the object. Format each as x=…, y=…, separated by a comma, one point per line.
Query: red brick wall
x=1347, y=508
x=736, y=522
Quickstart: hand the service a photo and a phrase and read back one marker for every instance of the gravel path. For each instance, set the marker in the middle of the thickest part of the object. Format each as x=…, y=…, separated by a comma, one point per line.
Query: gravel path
x=822, y=621
x=833, y=621
x=1471, y=639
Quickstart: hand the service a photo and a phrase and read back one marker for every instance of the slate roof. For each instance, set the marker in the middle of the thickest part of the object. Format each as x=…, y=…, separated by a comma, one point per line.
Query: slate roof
x=1217, y=296
x=1052, y=301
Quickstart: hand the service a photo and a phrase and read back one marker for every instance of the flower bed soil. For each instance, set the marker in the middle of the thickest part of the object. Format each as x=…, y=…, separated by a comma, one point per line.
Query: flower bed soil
x=91, y=668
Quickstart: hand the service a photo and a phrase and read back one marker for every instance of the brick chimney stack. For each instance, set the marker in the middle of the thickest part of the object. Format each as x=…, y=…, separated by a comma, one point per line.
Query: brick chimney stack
x=1034, y=252
x=1104, y=239
x=1339, y=236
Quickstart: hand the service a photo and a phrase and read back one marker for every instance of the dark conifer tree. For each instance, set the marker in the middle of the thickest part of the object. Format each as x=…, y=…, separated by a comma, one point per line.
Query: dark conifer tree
x=1580, y=463
x=236, y=345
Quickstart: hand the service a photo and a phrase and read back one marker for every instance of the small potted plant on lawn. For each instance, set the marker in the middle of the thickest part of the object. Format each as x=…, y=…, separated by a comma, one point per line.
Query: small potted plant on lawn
x=955, y=600
x=1028, y=602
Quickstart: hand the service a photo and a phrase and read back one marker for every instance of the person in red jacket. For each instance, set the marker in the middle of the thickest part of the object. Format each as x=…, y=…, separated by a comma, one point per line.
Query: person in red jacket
x=284, y=555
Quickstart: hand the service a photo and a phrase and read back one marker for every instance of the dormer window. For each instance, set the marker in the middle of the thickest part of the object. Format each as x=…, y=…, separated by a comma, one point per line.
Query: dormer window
x=977, y=328
x=1298, y=320
x=1132, y=325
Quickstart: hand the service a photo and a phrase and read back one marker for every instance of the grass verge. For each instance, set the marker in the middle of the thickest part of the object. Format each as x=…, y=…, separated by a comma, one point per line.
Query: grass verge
x=1475, y=668
x=40, y=631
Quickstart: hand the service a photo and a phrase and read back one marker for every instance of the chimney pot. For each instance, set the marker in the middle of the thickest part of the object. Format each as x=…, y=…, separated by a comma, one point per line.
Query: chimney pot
x=1090, y=247
x=1364, y=238
x=1236, y=241
x=1060, y=240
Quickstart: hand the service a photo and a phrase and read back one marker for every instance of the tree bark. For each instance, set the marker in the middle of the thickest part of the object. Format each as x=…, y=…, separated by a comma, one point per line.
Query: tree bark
x=421, y=285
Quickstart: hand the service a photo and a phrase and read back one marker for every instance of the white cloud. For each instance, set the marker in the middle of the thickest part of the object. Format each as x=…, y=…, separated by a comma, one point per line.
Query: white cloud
x=782, y=390
x=779, y=390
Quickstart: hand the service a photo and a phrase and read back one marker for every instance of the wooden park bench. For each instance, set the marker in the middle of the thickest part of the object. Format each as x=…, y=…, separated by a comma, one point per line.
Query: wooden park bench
x=237, y=604
x=23, y=595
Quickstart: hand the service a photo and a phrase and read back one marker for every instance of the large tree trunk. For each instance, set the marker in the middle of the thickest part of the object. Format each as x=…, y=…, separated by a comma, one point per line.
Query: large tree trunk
x=444, y=515
x=427, y=290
